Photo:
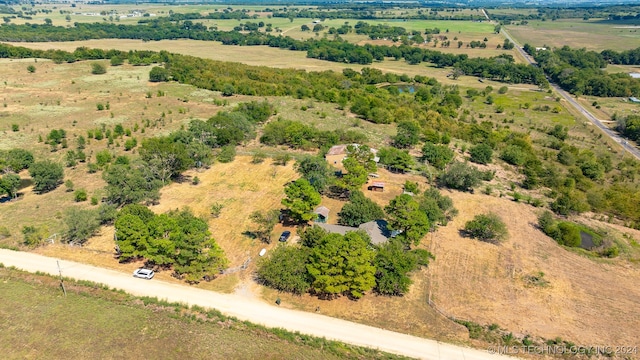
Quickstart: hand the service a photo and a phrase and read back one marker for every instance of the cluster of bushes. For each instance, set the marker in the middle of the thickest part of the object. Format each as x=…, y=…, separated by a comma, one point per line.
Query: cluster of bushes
x=177, y=239
x=301, y=136
x=569, y=234
x=329, y=265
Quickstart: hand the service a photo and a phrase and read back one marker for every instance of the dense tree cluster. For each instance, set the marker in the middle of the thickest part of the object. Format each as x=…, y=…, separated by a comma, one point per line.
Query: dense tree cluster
x=580, y=72
x=297, y=135
x=329, y=265
x=177, y=239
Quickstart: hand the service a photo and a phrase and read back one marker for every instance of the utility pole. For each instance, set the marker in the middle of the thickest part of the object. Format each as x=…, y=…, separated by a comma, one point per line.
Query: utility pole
x=61, y=280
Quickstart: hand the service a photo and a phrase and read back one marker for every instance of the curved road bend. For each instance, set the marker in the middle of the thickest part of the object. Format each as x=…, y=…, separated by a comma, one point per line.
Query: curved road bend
x=251, y=310
x=610, y=133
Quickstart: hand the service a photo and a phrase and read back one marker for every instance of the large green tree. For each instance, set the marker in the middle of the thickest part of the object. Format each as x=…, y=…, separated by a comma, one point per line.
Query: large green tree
x=301, y=200
x=437, y=155
x=165, y=157
x=487, y=227
x=342, y=265
x=359, y=210
x=129, y=184
x=316, y=170
x=393, y=264
x=9, y=184
x=46, y=175
x=404, y=215
x=285, y=269
x=81, y=224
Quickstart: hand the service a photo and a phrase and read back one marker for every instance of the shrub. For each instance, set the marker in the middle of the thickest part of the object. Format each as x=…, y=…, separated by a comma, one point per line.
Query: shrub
x=487, y=227
x=98, y=69
x=227, y=154
x=481, y=154
x=15, y=127
x=461, y=176
x=80, y=195
x=31, y=69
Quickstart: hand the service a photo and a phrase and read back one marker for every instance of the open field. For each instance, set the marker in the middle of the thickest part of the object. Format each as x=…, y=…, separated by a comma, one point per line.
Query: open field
x=592, y=35
x=38, y=321
x=588, y=301
x=469, y=279
x=264, y=56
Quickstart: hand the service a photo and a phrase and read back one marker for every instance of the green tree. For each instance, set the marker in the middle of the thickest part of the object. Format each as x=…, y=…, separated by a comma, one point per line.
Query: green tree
x=266, y=221
x=80, y=224
x=301, y=199
x=128, y=184
x=356, y=176
x=311, y=235
x=438, y=208
x=9, y=184
x=98, y=68
x=316, y=170
x=396, y=159
x=15, y=160
x=481, y=154
x=80, y=195
x=342, y=265
x=393, y=265
x=46, y=175
x=408, y=134
x=227, y=154
x=132, y=236
x=487, y=227
x=404, y=215
x=359, y=210
x=165, y=158
x=116, y=61
x=31, y=68
x=285, y=269
x=158, y=74
x=460, y=176
x=437, y=155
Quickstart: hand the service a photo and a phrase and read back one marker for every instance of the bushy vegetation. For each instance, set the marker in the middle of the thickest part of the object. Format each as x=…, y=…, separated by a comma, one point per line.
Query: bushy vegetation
x=487, y=227
x=359, y=210
x=329, y=265
x=177, y=239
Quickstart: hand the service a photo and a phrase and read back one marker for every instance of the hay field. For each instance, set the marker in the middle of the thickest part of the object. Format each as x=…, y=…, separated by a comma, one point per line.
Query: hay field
x=588, y=301
x=592, y=35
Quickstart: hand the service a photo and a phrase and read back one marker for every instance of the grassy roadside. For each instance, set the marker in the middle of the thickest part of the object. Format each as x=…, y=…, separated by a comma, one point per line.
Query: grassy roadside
x=95, y=322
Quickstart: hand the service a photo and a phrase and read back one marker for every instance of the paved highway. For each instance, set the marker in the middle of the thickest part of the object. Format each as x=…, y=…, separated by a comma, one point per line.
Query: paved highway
x=565, y=95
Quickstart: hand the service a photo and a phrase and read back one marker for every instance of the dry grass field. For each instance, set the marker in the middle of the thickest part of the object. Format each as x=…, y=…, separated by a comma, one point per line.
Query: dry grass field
x=588, y=301
x=592, y=35
x=265, y=56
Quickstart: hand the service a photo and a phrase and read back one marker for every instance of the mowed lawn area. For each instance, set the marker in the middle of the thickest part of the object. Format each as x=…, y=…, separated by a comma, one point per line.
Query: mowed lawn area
x=38, y=322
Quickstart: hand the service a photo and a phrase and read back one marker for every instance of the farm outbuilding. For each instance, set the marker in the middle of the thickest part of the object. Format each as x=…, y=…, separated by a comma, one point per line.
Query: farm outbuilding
x=377, y=186
x=323, y=214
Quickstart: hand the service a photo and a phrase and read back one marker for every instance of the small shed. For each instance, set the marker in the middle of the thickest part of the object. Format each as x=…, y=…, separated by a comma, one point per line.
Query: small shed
x=323, y=214
x=634, y=100
x=377, y=186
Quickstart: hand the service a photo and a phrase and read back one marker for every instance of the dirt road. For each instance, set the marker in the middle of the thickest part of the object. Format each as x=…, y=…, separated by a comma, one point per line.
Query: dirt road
x=251, y=310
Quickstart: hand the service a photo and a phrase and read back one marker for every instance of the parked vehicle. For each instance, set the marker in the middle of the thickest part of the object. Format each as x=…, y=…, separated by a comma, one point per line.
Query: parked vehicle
x=285, y=236
x=144, y=274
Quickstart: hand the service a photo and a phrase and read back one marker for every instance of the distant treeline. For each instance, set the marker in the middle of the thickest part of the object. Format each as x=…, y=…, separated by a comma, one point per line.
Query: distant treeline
x=373, y=13
x=555, y=13
x=323, y=49
x=580, y=71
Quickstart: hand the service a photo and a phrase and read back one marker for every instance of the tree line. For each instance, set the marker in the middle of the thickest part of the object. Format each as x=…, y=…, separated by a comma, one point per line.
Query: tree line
x=580, y=72
x=324, y=49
